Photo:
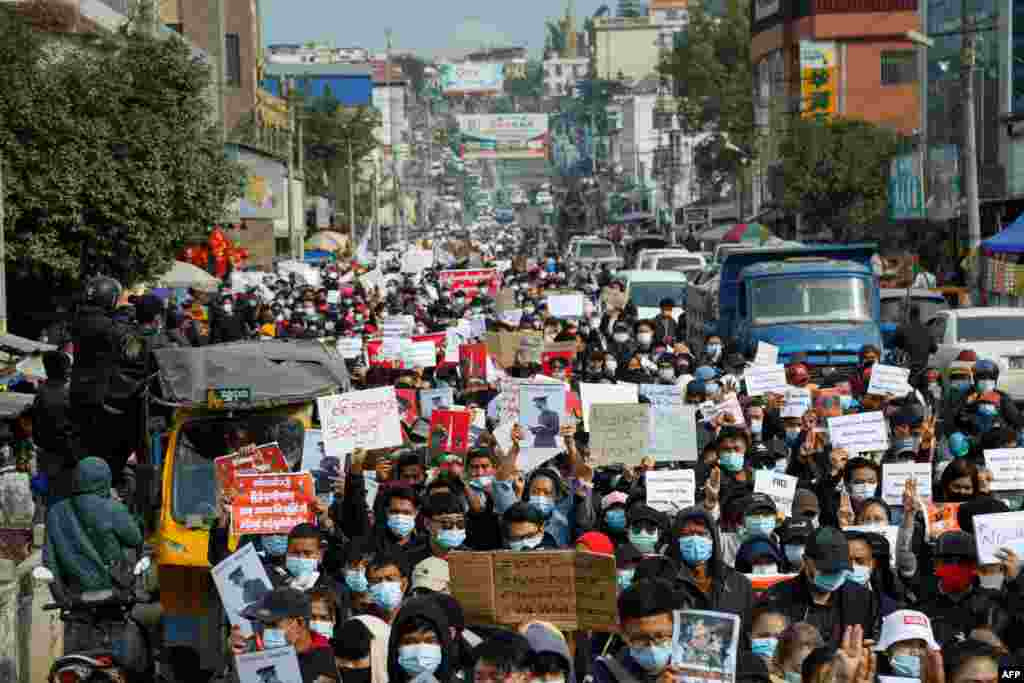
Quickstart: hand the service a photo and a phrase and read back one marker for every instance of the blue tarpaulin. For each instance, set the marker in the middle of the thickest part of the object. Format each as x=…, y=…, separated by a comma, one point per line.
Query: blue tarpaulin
x=1010, y=240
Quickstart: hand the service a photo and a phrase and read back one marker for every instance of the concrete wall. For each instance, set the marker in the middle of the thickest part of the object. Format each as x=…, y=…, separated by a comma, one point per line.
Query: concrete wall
x=30, y=639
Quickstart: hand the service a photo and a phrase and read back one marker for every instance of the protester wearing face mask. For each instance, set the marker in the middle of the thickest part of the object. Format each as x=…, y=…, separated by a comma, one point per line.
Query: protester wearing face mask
x=760, y=517
x=821, y=593
x=305, y=552
x=621, y=345
x=992, y=576
x=551, y=661
x=420, y=644
x=645, y=525
x=905, y=638
x=524, y=529
x=272, y=548
x=981, y=408
x=633, y=370
x=759, y=556
x=613, y=517
x=795, y=643
x=767, y=624
x=712, y=350
x=793, y=535
x=645, y=616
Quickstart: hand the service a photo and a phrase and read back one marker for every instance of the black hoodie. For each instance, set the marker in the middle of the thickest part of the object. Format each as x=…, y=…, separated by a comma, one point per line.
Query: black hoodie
x=433, y=612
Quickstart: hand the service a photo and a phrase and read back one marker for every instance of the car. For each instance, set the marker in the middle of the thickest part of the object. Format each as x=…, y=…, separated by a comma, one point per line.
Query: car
x=994, y=333
x=645, y=289
x=594, y=252
x=679, y=260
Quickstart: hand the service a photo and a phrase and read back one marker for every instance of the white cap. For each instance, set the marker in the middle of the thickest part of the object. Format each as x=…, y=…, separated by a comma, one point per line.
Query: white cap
x=906, y=624
x=432, y=574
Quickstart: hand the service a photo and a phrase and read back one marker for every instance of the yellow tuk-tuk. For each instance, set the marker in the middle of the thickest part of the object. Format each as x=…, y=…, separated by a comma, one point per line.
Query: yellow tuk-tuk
x=217, y=399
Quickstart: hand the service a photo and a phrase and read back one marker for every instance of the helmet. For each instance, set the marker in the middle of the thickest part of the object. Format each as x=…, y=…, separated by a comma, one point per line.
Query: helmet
x=797, y=375
x=705, y=373
x=986, y=369
x=103, y=291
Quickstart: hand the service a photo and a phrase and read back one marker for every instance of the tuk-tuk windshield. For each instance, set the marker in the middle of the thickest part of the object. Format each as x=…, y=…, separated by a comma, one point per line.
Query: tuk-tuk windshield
x=202, y=440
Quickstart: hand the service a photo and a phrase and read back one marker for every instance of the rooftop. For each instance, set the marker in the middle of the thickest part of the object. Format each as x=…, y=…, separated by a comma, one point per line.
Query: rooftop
x=272, y=69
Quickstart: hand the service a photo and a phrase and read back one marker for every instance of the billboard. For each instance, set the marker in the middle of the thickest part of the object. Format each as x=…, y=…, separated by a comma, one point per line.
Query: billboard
x=265, y=187
x=472, y=78
x=504, y=136
x=906, y=191
x=818, y=78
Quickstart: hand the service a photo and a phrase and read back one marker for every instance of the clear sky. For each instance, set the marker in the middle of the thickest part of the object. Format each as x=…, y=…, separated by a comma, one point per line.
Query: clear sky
x=439, y=28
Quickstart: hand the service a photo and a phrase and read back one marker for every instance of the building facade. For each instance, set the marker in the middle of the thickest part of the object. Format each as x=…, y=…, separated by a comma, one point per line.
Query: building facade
x=625, y=48
x=561, y=75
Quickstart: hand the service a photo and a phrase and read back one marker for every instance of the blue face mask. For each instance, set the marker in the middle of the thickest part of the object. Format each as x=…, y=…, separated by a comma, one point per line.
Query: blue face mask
x=387, y=594
x=356, y=581
x=275, y=545
x=481, y=483
x=421, y=658
x=985, y=385
x=712, y=388
x=792, y=435
x=300, y=566
x=794, y=553
x=760, y=526
x=652, y=658
x=401, y=525
x=616, y=519
x=543, y=504
x=451, y=538
x=695, y=549
x=731, y=461
x=273, y=638
x=983, y=421
x=625, y=578
x=906, y=665
x=828, y=583
x=764, y=647
x=644, y=542
x=860, y=574
x=960, y=386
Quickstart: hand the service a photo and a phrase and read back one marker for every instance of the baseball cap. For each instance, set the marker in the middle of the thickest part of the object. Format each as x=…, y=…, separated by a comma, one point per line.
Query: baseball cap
x=795, y=531
x=906, y=624
x=956, y=544
x=829, y=549
x=432, y=574
x=278, y=604
x=759, y=502
x=805, y=504
x=643, y=513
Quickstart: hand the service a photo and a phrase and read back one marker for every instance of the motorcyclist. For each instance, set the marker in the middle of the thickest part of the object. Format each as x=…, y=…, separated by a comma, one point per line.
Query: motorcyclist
x=916, y=341
x=980, y=409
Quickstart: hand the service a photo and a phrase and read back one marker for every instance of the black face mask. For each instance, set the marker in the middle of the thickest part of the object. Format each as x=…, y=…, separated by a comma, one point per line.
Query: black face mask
x=355, y=675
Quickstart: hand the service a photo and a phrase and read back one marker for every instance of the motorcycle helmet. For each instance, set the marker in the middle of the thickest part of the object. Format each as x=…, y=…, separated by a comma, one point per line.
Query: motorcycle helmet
x=797, y=375
x=986, y=369
x=103, y=291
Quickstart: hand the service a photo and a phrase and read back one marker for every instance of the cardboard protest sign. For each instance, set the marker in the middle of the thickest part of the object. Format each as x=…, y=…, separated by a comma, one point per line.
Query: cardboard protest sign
x=1007, y=465
x=265, y=459
x=565, y=305
x=798, y=402
x=279, y=665
x=767, y=354
x=240, y=580
x=671, y=490
x=573, y=590
x=704, y=645
x=272, y=503
x=895, y=475
x=765, y=379
x=860, y=432
x=889, y=380
x=995, y=531
x=449, y=431
x=618, y=433
x=360, y=419
x=605, y=393
x=779, y=487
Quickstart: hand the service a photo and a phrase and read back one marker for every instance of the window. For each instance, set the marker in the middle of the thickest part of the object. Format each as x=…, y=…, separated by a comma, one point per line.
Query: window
x=232, y=59
x=899, y=67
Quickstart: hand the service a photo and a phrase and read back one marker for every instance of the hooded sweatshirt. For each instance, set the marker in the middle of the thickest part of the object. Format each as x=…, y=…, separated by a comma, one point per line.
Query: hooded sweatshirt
x=88, y=532
x=431, y=610
x=571, y=516
x=543, y=639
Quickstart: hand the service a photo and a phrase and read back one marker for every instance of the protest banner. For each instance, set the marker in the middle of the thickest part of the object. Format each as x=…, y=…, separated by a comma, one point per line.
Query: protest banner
x=470, y=282
x=240, y=580
x=360, y=419
x=618, y=433
x=605, y=393
x=767, y=354
x=889, y=380
x=1007, y=465
x=798, y=402
x=671, y=490
x=432, y=399
x=265, y=459
x=350, y=347
x=279, y=665
x=419, y=355
x=779, y=487
x=999, y=530
x=704, y=645
x=575, y=591
x=565, y=305
x=895, y=475
x=272, y=503
x=859, y=433
x=765, y=379
x=541, y=415
x=449, y=431
x=408, y=410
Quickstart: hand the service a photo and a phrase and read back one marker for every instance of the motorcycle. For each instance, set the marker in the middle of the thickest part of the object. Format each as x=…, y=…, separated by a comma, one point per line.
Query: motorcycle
x=120, y=650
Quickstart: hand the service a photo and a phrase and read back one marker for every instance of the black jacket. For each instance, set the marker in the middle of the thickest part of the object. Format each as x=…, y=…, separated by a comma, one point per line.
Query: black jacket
x=52, y=422
x=952, y=619
x=851, y=604
x=668, y=331
x=228, y=328
x=97, y=352
x=916, y=341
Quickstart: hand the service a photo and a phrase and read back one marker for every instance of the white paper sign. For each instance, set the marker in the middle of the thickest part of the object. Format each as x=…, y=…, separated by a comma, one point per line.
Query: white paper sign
x=1007, y=465
x=512, y=316
x=888, y=380
x=241, y=580
x=565, y=305
x=765, y=379
x=895, y=475
x=767, y=354
x=397, y=326
x=452, y=341
x=391, y=348
x=671, y=490
x=779, y=487
x=478, y=327
x=350, y=347
x=420, y=355
x=798, y=402
x=859, y=433
x=333, y=296
x=730, y=405
x=279, y=665
x=605, y=393
x=999, y=530
x=360, y=419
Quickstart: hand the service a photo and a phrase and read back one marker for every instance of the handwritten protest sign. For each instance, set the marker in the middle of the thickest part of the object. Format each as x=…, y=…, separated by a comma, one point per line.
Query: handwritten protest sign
x=265, y=459
x=765, y=379
x=767, y=354
x=350, y=347
x=272, y=503
x=779, y=487
x=859, y=433
x=240, y=580
x=999, y=530
x=419, y=355
x=1007, y=465
x=605, y=393
x=888, y=380
x=673, y=427
x=895, y=475
x=565, y=305
x=279, y=665
x=798, y=402
x=618, y=433
x=360, y=419
x=671, y=490
x=572, y=590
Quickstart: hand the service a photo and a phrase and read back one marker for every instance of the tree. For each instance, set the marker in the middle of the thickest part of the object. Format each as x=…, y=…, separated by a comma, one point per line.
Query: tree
x=835, y=173
x=111, y=161
x=531, y=86
x=555, y=38
x=714, y=81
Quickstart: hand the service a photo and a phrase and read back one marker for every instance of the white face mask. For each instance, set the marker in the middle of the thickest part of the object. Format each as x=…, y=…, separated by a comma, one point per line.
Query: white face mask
x=611, y=366
x=620, y=337
x=667, y=374
x=765, y=569
x=644, y=338
x=992, y=582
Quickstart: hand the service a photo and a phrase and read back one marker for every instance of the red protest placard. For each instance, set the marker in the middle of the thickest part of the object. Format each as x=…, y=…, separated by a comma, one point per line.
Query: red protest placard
x=473, y=359
x=547, y=356
x=471, y=282
x=407, y=405
x=449, y=431
x=265, y=459
x=374, y=359
x=272, y=503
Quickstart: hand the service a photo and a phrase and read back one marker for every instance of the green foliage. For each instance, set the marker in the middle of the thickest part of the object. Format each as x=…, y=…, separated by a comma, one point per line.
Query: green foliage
x=555, y=38
x=835, y=173
x=111, y=160
x=531, y=86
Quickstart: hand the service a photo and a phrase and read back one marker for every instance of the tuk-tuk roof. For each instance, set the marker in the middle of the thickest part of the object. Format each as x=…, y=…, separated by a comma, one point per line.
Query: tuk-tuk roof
x=273, y=372
x=13, y=404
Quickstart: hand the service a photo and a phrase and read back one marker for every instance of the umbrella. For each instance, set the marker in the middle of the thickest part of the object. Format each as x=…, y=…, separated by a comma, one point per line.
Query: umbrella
x=185, y=275
x=747, y=232
x=326, y=240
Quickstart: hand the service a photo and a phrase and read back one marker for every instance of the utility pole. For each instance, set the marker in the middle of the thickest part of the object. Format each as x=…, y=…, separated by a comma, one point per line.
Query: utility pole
x=967, y=59
x=290, y=202
x=376, y=216
x=3, y=253
x=351, y=192
x=300, y=231
x=400, y=216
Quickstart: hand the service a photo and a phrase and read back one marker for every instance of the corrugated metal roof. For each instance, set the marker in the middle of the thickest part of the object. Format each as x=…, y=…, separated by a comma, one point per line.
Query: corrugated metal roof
x=354, y=70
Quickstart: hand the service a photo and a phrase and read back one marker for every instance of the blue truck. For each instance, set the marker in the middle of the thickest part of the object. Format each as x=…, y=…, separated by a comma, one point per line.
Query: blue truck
x=819, y=300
